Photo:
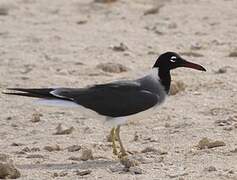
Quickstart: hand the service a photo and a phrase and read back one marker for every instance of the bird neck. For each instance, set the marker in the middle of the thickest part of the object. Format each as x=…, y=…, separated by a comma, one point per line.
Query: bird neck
x=165, y=79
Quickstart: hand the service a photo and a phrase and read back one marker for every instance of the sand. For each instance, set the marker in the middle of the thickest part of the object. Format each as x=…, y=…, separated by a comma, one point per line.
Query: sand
x=60, y=43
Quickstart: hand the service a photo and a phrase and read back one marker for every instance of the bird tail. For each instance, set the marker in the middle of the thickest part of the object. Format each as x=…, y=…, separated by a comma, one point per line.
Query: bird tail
x=36, y=93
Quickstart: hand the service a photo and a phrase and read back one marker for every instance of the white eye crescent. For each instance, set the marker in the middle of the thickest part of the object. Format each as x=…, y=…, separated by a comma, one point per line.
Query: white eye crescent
x=173, y=59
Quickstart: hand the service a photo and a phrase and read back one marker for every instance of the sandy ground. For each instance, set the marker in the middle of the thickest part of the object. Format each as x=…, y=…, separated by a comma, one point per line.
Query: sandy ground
x=60, y=43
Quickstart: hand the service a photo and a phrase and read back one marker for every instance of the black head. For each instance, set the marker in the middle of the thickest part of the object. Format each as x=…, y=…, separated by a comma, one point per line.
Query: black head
x=171, y=60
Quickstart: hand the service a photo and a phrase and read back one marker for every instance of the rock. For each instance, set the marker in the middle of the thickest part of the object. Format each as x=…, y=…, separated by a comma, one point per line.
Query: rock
x=52, y=148
x=136, y=136
x=83, y=172
x=60, y=174
x=221, y=70
x=234, y=150
x=176, y=87
x=151, y=149
x=210, y=168
x=153, y=10
x=172, y=26
x=36, y=117
x=32, y=156
x=8, y=171
x=5, y=158
x=86, y=155
x=206, y=143
x=120, y=48
x=233, y=53
x=81, y=22
x=136, y=170
x=128, y=163
x=112, y=67
x=191, y=54
x=4, y=10
x=104, y=1
x=26, y=149
x=196, y=46
x=73, y=148
x=73, y=158
x=17, y=144
x=35, y=149
x=61, y=131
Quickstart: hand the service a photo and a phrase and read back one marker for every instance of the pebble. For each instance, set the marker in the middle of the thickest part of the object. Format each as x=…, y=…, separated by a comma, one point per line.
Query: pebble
x=206, y=143
x=4, y=10
x=86, y=155
x=112, y=67
x=36, y=117
x=61, y=131
x=210, y=168
x=7, y=169
x=191, y=54
x=221, y=70
x=32, y=156
x=52, y=148
x=83, y=172
x=177, y=87
x=233, y=53
x=153, y=10
x=73, y=148
x=120, y=48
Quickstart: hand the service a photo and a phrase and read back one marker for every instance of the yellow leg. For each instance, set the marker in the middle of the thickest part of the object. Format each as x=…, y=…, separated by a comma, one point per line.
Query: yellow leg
x=122, y=150
x=113, y=137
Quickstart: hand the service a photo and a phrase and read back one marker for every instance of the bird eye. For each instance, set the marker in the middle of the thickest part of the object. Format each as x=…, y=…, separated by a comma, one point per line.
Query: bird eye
x=173, y=59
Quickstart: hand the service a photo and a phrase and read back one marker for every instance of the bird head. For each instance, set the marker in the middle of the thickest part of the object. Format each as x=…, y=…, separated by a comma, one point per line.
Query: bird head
x=171, y=60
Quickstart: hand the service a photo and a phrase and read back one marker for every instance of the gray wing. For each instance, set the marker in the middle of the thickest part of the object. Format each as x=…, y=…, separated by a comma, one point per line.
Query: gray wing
x=116, y=99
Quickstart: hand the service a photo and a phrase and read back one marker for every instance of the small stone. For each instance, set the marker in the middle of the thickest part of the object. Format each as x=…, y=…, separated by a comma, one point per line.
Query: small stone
x=120, y=48
x=81, y=22
x=153, y=10
x=73, y=148
x=32, y=156
x=104, y=1
x=26, y=149
x=8, y=171
x=176, y=87
x=206, y=143
x=221, y=70
x=86, y=155
x=151, y=149
x=61, y=131
x=52, y=148
x=83, y=173
x=5, y=158
x=73, y=158
x=234, y=150
x=196, y=46
x=17, y=144
x=210, y=168
x=36, y=117
x=172, y=26
x=35, y=149
x=233, y=53
x=60, y=174
x=191, y=54
x=128, y=163
x=112, y=67
x=136, y=170
x=4, y=10
x=136, y=137
x=228, y=128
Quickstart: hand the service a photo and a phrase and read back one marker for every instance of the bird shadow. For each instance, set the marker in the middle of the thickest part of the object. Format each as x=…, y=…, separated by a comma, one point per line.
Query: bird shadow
x=93, y=164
